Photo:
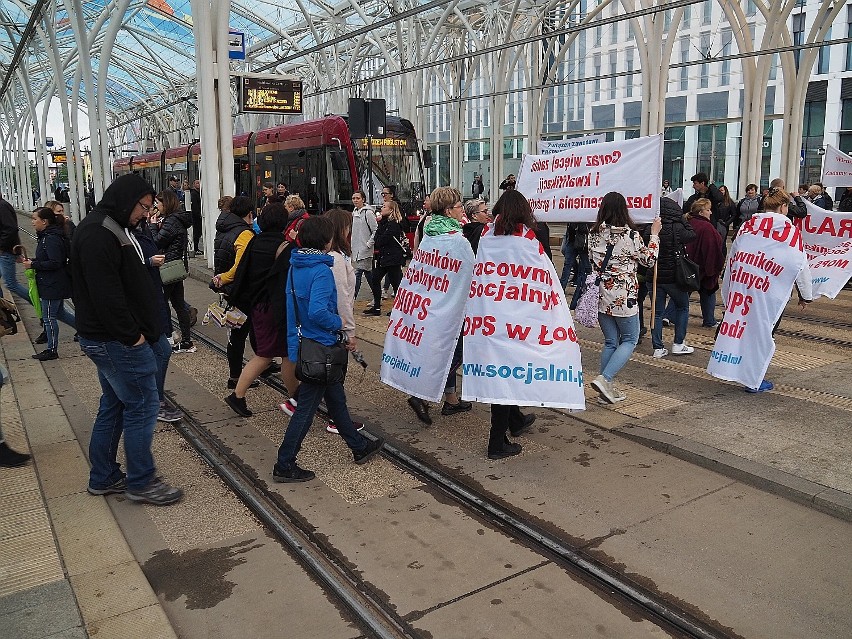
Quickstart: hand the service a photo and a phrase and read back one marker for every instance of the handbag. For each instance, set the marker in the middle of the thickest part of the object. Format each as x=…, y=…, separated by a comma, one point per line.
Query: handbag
x=224, y=315
x=317, y=363
x=588, y=305
x=686, y=271
x=174, y=271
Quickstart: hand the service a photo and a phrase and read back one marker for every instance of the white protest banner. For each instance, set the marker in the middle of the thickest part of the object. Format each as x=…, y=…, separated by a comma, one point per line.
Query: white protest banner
x=520, y=347
x=762, y=265
x=826, y=237
x=427, y=316
x=548, y=147
x=569, y=186
x=836, y=168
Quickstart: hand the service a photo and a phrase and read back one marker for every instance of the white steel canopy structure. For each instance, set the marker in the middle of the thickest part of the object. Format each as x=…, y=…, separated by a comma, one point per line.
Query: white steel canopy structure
x=480, y=80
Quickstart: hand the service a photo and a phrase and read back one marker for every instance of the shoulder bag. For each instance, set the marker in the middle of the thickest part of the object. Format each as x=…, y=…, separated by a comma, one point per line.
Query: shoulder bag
x=588, y=305
x=686, y=271
x=317, y=363
x=174, y=271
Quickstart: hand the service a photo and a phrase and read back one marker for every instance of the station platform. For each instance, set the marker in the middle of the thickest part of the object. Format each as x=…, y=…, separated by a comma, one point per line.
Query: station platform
x=738, y=506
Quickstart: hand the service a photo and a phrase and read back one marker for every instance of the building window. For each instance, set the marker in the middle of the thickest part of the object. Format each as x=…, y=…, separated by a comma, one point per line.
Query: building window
x=846, y=127
x=704, y=71
x=751, y=8
x=706, y=12
x=629, y=78
x=798, y=35
x=667, y=19
x=725, y=71
x=596, y=96
x=613, y=80
x=824, y=55
x=813, y=130
x=849, y=35
x=687, y=16
x=684, y=57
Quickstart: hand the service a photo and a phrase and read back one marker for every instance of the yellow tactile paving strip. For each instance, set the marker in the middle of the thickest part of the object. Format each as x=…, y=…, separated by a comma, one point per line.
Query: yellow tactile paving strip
x=51, y=529
x=639, y=403
x=781, y=358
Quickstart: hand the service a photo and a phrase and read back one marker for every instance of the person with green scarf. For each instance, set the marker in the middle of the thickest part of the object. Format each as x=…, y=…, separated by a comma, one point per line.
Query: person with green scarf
x=447, y=212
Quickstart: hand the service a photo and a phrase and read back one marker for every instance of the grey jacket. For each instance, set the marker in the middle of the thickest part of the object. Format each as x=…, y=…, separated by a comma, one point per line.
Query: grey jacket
x=364, y=227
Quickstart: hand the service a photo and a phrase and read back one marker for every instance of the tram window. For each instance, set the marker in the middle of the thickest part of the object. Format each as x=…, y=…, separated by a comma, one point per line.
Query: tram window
x=341, y=178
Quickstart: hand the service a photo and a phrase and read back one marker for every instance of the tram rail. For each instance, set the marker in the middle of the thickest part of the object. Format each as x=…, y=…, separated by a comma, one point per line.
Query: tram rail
x=605, y=579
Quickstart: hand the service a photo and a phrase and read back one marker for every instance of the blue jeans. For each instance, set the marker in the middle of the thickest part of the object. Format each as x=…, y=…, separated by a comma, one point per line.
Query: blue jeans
x=358, y=273
x=162, y=353
x=8, y=271
x=52, y=310
x=620, y=337
x=708, y=306
x=129, y=406
x=680, y=299
x=571, y=254
x=310, y=396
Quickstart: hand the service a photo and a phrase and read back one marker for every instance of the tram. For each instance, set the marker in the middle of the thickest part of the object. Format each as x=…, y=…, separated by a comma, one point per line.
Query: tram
x=318, y=159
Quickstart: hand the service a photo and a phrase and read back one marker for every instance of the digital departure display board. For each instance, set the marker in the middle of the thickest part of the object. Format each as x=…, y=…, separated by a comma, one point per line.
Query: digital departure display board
x=270, y=95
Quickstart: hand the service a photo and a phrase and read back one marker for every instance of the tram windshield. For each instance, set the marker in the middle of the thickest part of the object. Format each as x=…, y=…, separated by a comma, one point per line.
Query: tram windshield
x=393, y=161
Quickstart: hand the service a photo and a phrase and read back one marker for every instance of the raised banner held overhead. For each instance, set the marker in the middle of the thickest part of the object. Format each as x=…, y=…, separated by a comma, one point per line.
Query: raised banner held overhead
x=827, y=240
x=427, y=316
x=836, y=168
x=520, y=347
x=568, y=186
x=549, y=147
x=762, y=264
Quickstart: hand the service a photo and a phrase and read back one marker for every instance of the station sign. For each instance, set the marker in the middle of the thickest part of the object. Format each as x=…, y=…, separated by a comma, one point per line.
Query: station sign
x=386, y=142
x=260, y=94
x=236, y=45
x=59, y=158
x=48, y=142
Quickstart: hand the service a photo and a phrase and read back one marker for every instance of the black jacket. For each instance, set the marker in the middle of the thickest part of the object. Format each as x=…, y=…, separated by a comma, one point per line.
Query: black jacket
x=386, y=244
x=172, y=237
x=845, y=205
x=675, y=233
x=250, y=281
x=9, y=236
x=51, y=264
x=473, y=231
x=142, y=232
x=228, y=228
x=114, y=298
x=716, y=198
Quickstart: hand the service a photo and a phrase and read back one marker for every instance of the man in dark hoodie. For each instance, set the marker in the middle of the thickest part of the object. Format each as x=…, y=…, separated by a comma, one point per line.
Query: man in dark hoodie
x=119, y=325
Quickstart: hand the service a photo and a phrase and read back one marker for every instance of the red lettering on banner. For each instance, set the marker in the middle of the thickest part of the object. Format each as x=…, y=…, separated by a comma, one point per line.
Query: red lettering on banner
x=408, y=302
x=515, y=331
x=484, y=324
x=602, y=159
x=737, y=300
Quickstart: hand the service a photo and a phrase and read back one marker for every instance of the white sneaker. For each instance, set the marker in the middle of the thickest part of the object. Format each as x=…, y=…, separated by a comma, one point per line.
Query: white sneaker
x=681, y=349
x=605, y=389
x=660, y=352
x=331, y=428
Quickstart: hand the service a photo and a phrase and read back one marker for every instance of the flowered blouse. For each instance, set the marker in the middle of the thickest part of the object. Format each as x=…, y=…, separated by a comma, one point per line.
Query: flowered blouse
x=619, y=287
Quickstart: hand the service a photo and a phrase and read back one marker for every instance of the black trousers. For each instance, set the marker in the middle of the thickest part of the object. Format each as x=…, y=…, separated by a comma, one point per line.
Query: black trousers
x=196, y=230
x=174, y=294
x=237, y=347
x=503, y=419
x=394, y=274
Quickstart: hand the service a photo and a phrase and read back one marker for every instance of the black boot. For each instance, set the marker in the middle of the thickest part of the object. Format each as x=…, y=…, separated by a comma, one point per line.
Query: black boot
x=10, y=458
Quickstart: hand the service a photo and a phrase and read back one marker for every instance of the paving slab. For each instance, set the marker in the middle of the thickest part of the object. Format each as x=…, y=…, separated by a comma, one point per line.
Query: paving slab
x=44, y=611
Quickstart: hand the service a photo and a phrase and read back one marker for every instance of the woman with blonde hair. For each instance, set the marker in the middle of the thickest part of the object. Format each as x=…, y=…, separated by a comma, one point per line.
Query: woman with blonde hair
x=391, y=255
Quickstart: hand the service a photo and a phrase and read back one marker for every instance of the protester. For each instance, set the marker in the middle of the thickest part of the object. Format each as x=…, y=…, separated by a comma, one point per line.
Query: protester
x=748, y=206
x=618, y=312
x=172, y=238
x=576, y=252
x=313, y=297
x=667, y=189
x=675, y=234
x=844, y=206
x=233, y=233
x=259, y=291
x=297, y=213
x=726, y=216
x=508, y=183
x=706, y=251
x=364, y=225
x=53, y=276
x=118, y=321
x=390, y=254
x=705, y=188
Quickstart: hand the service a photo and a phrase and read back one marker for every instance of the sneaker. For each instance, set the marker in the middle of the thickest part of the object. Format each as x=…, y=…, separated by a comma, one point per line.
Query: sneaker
x=619, y=395
x=713, y=325
x=765, y=385
x=660, y=352
x=421, y=409
x=452, y=409
x=10, y=458
x=232, y=383
x=118, y=487
x=331, y=428
x=292, y=474
x=682, y=349
x=373, y=311
x=184, y=347
x=168, y=414
x=529, y=420
x=238, y=405
x=604, y=388
x=41, y=339
x=193, y=316
x=289, y=407
x=157, y=492
x=372, y=449
x=45, y=356
x=509, y=449
x=667, y=322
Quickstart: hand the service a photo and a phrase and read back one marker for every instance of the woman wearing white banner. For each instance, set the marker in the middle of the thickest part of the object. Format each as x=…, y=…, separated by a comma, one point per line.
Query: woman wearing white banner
x=618, y=313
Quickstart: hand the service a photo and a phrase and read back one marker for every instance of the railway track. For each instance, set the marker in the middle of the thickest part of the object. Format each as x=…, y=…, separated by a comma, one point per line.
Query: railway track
x=375, y=616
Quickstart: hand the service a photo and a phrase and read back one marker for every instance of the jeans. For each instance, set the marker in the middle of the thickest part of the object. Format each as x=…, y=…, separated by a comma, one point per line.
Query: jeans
x=52, y=310
x=8, y=271
x=310, y=396
x=129, y=406
x=708, y=306
x=162, y=353
x=641, y=294
x=620, y=337
x=358, y=273
x=680, y=298
x=571, y=254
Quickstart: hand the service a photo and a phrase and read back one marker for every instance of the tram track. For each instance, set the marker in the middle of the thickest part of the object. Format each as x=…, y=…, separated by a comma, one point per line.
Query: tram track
x=379, y=618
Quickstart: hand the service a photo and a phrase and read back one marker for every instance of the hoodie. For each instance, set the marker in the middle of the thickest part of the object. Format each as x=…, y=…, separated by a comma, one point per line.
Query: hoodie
x=316, y=296
x=114, y=298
